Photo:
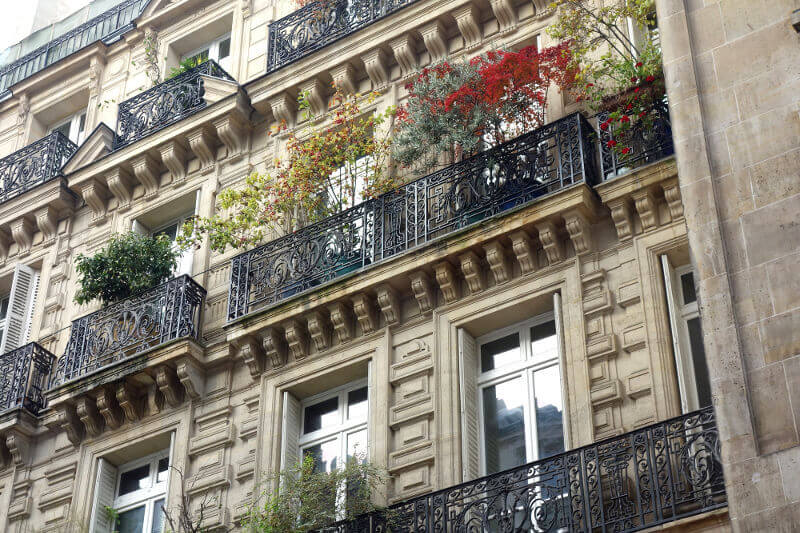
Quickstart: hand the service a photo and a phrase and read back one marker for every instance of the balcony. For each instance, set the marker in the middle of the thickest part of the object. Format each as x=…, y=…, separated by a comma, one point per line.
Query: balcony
x=117, y=333
x=24, y=373
x=647, y=144
x=107, y=27
x=33, y=165
x=651, y=476
x=166, y=103
x=522, y=171
x=316, y=25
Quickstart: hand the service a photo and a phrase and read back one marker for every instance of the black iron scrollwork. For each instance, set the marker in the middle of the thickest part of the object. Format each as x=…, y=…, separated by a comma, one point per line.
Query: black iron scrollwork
x=33, y=165
x=24, y=373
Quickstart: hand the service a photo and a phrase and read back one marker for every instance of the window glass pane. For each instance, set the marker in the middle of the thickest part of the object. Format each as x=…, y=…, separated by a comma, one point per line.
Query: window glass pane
x=325, y=455
x=357, y=444
x=64, y=129
x=549, y=411
x=132, y=480
x=501, y=352
x=504, y=425
x=224, y=48
x=170, y=231
x=699, y=362
x=82, y=125
x=357, y=404
x=131, y=521
x=158, y=516
x=544, y=344
x=199, y=57
x=163, y=467
x=687, y=288
x=3, y=308
x=321, y=415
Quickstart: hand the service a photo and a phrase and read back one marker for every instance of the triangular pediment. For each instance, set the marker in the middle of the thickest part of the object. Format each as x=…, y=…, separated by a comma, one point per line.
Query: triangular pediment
x=98, y=144
x=156, y=5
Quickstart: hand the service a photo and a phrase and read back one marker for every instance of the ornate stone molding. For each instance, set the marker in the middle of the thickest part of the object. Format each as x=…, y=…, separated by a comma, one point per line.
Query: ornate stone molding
x=389, y=304
x=342, y=320
x=548, y=236
x=647, y=208
x=473, y=272
x=109, y=407
x=275, y=347
x=47, y=221
x=344, y=77
x=296, y=338
x=130, y=401
x=505, y=13
x=524, y=251
x=121, y=186
x=434, y=36
x=580, y=231
x=623, y=218
x=468, y=21
x=191, y=377
x=448, y=283
x=672, y=194
x=365, y=313
x=68, y=421
x=284, y=108
x=404, y=54
x=376, y=64
x=498, y=261
x=316, y=92
x=167, y=381
x=252, y=352
x=203, y=145
x=319, y=328
x=22, y=232
x=86, y=408
x=147, y=171
x=173, y=154
x=423, y=292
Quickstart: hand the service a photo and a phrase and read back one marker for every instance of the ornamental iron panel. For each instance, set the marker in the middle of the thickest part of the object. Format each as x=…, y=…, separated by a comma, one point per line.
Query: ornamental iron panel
x=318, y=24
x=648, y=143
x=651, y=476
x=124, y=329
x=518, y=172
x=33, y=165
x=164, y=104
x=23, y=377
x=107, y=26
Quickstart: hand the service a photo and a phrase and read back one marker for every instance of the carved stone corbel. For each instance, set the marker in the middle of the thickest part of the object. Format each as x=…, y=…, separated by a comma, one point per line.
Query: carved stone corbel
x=5, y=244
x=86, y=408
x=109, y=407
x=167, y=381
x=317, y=95
x=47, y=221
x=497, y=257
x=320, y=330
x=473, y=271
x=505, y=13
x=22, y=232
x=580, y=231
x=524, y=251
x=147, y=171
x=672, y=194
x=130, y=401
x=275, y=347
x=448, y=283
x=434, y=36
x=17, y=446
x=376, y=65
x=423, y=292
x=623, y=218
x=551, y=243
x=468, y=21
x=388, y=303
x=645, y=203
x=204, y=146
x=365, y=313
x=232, y=130
x=191, y=377
x=404, y=54
x=69, y=422
x=344, y=77
x=342, y=320
x=296, y=338
x=121, y=186
x=173, y=154
x=252, y=352
x=284, y=108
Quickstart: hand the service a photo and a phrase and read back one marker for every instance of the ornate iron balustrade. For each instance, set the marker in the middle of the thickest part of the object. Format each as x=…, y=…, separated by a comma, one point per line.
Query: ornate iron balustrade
x=648, y=143
x=33, y=165
x=106, y=27
x=164, y=104
x=318, y=24
x=520, y=171
x=656, y=474
x=24, y=373
x=122, y=330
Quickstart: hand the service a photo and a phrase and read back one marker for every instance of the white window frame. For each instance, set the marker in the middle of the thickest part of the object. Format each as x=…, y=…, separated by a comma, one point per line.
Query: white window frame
x=360, y=168
x=524, y=369
x=76, y=134
x=213, y=50
x=3, y=319
x=146, y=496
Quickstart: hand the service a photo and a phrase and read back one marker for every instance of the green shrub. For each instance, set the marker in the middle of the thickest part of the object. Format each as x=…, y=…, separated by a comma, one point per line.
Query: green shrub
x=130, y=263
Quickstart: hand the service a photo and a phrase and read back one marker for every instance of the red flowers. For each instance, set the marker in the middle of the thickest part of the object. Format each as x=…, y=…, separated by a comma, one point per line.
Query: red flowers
x=624, y=119
x=639, y=64
x=637, y=89
x=633, y=79
x=650, y=79
x=611, y=144
x=626, y=151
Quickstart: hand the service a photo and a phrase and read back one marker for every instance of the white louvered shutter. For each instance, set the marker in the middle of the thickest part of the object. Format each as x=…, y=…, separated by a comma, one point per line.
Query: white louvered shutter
x=104, y=486
x=20, y=304
x=558, y=314
x=468, y=390
x=32, y=307
x=290, y=431
x=186, y=259
x=672, y=309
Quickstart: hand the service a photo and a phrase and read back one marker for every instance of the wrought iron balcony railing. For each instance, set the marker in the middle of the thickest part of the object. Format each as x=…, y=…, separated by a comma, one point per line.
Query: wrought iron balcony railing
x=164, y=104
x=24, y=373
x=106, y=27
x=651, y=476
x=127, y=328
x=548, y=159
x=33, y=165
x=648, y=143
x=318, y=24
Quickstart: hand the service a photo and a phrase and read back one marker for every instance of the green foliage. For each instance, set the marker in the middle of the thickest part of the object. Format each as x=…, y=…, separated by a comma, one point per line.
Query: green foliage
x=187, y=64
x=129, y=264
x=113, y=517
x=309, y=500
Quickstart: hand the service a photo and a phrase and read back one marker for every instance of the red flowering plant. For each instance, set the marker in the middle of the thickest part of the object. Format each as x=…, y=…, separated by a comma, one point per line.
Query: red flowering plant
x=325, y=171
x=457, y=108
x=617, y=63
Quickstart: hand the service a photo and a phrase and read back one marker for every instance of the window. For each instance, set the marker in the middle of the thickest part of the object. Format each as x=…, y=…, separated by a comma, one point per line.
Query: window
x=73, y=128
x=218, y=50
x=512, y=396
x=346, y=184
x=687, y=336
x=17, y=307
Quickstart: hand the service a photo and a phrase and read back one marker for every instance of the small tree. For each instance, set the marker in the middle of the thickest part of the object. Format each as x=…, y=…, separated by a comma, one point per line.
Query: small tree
x=308, y=500
x=129, y=264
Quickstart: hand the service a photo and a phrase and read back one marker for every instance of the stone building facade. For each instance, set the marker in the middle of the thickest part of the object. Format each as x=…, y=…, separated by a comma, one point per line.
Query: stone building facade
x=576, y=294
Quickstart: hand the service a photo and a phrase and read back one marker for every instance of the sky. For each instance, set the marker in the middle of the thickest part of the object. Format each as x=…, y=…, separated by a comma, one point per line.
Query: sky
x=16, y=16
